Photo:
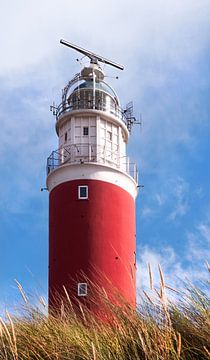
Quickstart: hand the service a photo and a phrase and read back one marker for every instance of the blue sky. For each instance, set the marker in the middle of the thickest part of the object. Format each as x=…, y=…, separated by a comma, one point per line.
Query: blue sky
x=164, y=46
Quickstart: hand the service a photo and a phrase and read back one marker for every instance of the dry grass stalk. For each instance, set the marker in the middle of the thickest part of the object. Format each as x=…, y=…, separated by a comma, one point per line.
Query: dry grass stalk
x=179, y=345
x=105, y=293
x=94, y=351
x=207, y=265
x=150, y=276
x=21, y=291
x=161, y=293
x=42, y=302
x=67, y=296
x=207, y=351
x=161, y=276
x=8, y=337
x=156, y=331
x=162, y=283
x=158, y=294
x=62, y=310
x=142, y=342
x=172, y=289
x=82, y=312
x=14, y=343
x=2, y=341
x=148, y=297
x=5, y=330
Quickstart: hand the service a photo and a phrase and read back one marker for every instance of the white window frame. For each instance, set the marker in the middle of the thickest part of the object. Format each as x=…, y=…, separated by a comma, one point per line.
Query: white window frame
x=79, y=194
x=109, y=135
x=86, y=128
x=83, y=293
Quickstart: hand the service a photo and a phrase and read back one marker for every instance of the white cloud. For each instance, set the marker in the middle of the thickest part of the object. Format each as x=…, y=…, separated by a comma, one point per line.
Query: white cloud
x=155, y=39
x=160, y=198
x=173, y=198
x=180, y=210
x=189, y=265
x=205, y=231
x=158, y=41
x=146, y=212
x=175, y=270
x=27, y=136
x=198, y=249
x=174, y=30
x=199, y=191
x=166, y=257
x=179, y=191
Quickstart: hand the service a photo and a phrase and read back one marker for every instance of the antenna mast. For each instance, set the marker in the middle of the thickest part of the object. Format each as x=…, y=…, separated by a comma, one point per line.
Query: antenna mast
x=130, y=118
x=94, y=58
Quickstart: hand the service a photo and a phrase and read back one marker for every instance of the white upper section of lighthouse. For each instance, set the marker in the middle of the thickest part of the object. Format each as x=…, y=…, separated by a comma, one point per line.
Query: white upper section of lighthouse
x=90, y=124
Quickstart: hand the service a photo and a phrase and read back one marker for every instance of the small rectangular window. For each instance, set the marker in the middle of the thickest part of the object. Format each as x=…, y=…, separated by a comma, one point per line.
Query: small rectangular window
x=109, y=135
x=82, y=289
x=83, y=192
x=85, y=130
x=65, y=136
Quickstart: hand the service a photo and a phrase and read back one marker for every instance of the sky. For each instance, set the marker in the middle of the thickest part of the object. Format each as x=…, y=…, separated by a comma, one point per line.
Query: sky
x=164, y=46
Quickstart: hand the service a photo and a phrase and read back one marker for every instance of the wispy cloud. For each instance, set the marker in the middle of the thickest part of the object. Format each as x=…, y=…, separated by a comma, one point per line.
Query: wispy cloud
x=162, y=45
x=174, y=31
x=147, y=212
x=205, y=231
x=160, y=198
x=172, y=201
x=198, y=241
x=177, y=269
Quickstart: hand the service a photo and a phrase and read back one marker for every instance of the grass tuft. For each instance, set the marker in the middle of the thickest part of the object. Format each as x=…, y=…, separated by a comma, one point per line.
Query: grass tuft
x=159, y=329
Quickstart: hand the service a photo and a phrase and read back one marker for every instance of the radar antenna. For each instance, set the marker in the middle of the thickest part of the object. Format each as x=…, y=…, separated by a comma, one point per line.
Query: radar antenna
x=93, y=57
x=130, y=119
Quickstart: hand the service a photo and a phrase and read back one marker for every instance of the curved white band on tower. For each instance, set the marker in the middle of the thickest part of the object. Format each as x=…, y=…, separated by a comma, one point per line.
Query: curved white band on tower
x=92, y=171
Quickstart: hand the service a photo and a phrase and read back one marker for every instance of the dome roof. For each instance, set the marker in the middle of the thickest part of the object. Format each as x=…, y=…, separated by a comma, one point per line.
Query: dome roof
x=101, y=86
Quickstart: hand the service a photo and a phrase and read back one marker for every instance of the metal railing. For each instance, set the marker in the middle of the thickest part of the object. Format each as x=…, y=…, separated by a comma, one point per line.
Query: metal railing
x=86, y=153
x=66, y=107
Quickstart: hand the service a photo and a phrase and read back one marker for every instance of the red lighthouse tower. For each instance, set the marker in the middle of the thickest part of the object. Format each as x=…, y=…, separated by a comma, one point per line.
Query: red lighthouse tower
x=92, y=186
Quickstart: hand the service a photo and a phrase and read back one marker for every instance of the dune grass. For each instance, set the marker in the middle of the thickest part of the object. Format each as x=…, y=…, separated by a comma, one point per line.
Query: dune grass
x=158, y=329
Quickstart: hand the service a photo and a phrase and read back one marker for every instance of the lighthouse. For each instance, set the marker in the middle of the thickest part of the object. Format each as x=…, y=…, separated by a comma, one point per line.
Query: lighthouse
x=92, y=187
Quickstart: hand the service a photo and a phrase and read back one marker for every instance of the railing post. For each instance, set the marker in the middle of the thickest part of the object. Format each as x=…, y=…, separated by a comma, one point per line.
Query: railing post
x=53, y=160
x=137, y=174
x=62, y=155
x=134, y=171
x=89, y=152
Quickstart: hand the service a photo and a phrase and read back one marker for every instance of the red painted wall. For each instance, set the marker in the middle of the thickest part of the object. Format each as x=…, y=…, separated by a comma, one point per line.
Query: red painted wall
x=94, y=236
